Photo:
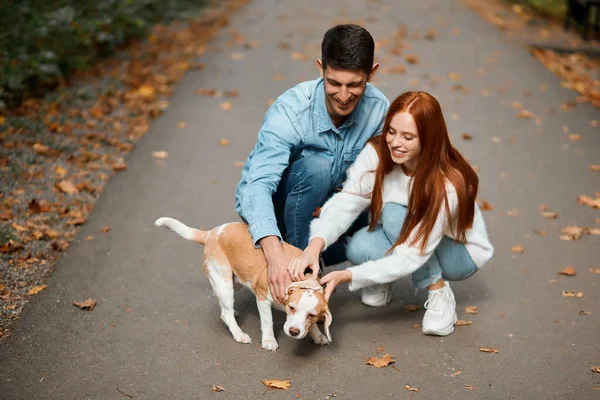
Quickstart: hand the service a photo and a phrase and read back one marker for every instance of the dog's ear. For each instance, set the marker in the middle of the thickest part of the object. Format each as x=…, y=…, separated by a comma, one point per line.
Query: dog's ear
x=328, y=320
x=290, y=290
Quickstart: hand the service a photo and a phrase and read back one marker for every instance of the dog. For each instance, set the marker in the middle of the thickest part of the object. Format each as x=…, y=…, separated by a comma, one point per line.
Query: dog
x=232, y=260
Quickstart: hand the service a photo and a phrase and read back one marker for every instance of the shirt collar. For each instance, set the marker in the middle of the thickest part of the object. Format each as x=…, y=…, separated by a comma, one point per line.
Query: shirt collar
x=324, y=120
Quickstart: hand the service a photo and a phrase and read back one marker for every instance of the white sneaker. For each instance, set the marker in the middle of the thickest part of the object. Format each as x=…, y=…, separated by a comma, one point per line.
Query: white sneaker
x=377, y=295
x=440, y=317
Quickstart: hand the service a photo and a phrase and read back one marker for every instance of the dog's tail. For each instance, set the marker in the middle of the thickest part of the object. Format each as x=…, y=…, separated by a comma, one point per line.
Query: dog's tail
x=183, y=230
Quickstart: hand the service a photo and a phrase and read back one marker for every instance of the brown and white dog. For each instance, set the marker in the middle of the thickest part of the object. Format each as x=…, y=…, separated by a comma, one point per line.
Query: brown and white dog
x=230, y=257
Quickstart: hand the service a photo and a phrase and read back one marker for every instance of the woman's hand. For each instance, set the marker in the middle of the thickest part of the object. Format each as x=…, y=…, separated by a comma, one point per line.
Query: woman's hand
x=297, y=266
x=334, y=278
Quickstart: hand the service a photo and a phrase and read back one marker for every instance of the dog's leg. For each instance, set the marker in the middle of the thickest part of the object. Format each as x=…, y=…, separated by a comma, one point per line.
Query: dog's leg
x=316, y=335
x=266, y=325
x=223, y=289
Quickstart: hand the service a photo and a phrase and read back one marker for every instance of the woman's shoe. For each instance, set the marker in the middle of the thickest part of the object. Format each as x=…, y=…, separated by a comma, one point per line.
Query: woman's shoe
x=440, y=315
x=377, y=295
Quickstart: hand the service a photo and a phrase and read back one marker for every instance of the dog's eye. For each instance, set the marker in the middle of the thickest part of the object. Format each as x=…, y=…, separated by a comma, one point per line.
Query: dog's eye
x=292, y=308
x=311, y=316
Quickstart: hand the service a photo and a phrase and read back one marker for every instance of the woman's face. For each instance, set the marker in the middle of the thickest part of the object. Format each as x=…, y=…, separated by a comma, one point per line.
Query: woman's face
x=403, y=141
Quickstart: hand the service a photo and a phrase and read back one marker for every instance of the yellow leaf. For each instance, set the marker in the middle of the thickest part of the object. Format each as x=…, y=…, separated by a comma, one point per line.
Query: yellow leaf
x=589, y=201
x=549, y=215
x=299, y=56
x=270, y=101
x=105, y=229
x=276, y=384
x=218, y=388
x=236, y=56
x=454, y=76
x=411, y=307
x=67, y=186
x=572, y=232
x=40, y=148
x=60, y=171
x=596, y=368
x=525, y=114
x=146, y=91
x=470, y=387
x=278, y=77
x=517, y=249
x=36, y=289
x=466, y=137
x=2, y=120
x=574, y=137
x=460, y=322
x=181, y=125
x=411, y=59
x=161, y=154
x=484, y=205
x=572, y=294
x=595, y=167
x=380, y=362
x=584, y=312
x=488, y=350
x=595, y=270
x=226, y=106
x=87, y=305
x=568, y=271
x=223, y=142
x=238, y=164
x=411, y=389
x=471, y=310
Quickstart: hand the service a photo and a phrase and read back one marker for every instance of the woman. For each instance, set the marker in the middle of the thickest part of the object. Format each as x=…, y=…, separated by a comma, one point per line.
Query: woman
x=424, y=218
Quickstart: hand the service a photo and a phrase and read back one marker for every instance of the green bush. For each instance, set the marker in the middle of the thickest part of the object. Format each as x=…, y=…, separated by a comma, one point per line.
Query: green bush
x=44, y=41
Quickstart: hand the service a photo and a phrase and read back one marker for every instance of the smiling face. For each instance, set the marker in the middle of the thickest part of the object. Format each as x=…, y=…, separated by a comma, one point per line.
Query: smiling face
x=343, y=90
x=305, y=307
x=402, y=139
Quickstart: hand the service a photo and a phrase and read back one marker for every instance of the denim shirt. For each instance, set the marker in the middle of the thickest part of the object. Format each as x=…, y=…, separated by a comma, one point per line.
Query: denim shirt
x=298, y=124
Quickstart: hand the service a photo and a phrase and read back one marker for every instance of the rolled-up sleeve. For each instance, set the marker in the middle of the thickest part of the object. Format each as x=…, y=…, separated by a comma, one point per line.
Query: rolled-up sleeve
x=277, y=138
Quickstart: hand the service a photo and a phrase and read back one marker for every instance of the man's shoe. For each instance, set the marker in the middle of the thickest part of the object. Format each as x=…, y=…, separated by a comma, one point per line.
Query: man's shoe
x=377, y=295
x=440, y=317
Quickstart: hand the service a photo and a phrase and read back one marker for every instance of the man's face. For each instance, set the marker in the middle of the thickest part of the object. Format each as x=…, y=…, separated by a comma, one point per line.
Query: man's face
x=343, y=91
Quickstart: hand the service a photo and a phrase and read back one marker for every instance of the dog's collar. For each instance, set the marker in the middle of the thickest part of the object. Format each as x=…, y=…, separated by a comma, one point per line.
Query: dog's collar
x=307, y=284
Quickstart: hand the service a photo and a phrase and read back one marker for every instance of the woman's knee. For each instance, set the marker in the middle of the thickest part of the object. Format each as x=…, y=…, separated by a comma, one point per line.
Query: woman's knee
x=392, y=217
x=366, y=246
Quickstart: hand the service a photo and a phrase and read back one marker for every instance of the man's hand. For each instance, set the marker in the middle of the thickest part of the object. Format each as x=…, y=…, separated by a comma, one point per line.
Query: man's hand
x=334, y=278
x=277, y=267
x=308, y=259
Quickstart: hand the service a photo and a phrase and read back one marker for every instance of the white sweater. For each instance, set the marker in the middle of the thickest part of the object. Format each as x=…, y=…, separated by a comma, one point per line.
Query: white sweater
x=338, y=213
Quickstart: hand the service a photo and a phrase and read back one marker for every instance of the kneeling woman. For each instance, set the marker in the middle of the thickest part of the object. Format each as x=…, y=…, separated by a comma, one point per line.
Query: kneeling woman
x=424, y=218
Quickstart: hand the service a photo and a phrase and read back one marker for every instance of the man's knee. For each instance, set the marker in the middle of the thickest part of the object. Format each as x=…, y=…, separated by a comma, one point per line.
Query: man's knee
x=314, y=171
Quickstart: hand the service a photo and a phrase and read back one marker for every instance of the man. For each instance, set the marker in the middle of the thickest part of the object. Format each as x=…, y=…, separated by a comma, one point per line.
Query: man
x=309, y=137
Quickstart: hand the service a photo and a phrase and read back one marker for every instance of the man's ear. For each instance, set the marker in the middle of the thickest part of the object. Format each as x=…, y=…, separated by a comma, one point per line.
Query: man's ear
x=328, y=320
x=373, y=72
x=320, y=66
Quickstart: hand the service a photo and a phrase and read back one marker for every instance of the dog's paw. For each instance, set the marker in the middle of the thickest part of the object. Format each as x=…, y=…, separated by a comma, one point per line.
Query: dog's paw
x=243, y=338
x=320, y=339
x=270, y=344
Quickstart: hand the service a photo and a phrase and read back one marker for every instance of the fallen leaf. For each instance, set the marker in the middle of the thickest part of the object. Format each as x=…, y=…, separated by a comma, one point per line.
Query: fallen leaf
x=276, y=384
x=488, y=350
x=60, y=171
x=596, y=368
x=236, y=56
x=460, y=322
x=549, y=214
x=41, y=149
x=299, y=56
x=105, y=229
x=595, y=167
x=484, y=205
x=572, y=294
x=218, y=388
x=89, y=237
x=223, y=142
x=470, y=387
x=589, y=201
x=87, y=305
x=181, y=125
x=517, y=249
x=380, y=362
x=36, y=289
x=574, y=137
x=456, y=373
x=568, y=271
x=411, y=389
x=226, y=106
x=270, y=101
x=454, y=76
x=238, y=164
x=67, y=186
x=595, y=270
x=415, y=326
x=540, y=232
x=119, y=165
x=431, y=34
x=146, y=91
x=206, y=92
x=572, y=232
x=513, y=212
x=471, y=310
x=525, y=114
x=231, y=93
x=411, y=59
x=278, y=78
x=161, y=154
x=584, y=312
x=411, y=307
x=466, y=137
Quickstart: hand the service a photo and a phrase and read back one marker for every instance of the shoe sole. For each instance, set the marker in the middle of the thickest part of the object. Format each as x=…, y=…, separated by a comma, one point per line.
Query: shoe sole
x=442, y=332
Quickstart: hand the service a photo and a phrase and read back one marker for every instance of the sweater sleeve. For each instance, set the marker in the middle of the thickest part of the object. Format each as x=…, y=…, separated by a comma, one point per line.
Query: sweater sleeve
x=340, y=211
x=405, y=259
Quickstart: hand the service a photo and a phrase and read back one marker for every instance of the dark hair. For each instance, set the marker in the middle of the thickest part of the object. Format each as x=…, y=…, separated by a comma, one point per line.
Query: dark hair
x=349, y=47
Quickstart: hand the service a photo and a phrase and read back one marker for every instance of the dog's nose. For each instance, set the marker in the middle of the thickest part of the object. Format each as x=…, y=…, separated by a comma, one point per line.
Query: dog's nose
x=294, y=331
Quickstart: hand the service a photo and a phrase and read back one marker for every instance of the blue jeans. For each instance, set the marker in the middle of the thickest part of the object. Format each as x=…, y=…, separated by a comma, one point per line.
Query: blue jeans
x=450, y=260
x=305, y=185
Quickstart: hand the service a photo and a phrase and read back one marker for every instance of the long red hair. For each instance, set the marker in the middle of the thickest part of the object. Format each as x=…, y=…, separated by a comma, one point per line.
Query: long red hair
x=438, y=163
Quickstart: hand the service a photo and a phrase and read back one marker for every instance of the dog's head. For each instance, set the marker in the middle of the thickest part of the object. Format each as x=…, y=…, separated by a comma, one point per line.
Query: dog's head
x=305, y=305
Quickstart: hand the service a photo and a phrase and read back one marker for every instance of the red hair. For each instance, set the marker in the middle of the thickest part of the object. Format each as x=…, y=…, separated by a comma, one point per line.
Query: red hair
x=439, y=163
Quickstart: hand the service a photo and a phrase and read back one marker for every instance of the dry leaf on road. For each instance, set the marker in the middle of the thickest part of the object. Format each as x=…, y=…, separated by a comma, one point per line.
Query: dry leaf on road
x=87, y=305
x=105, y=229
x=572, y=232
x=471, y=310
x=238, y=164
x=574, y=137
x=584, y=312
x=411, y=307
x=454, y=76
x=595, y=167
x=517, y=249
x=411, y=389
x=380, y=362
x=226, y=106
x=36, y=289
x=595, y=270
x=525, y=114
x=589, y=201
x=276, y=384
x=223, y=142
x=488, y=350
x=549, y=214
x=484, y=205
x=568, y=271
x=470, y=387
x=218, y=388
x=465, y=136
x=572, y=294
x=181, y=125
x=67, y=186
x=161, y=154
x=596, y=368
x=460, y=322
